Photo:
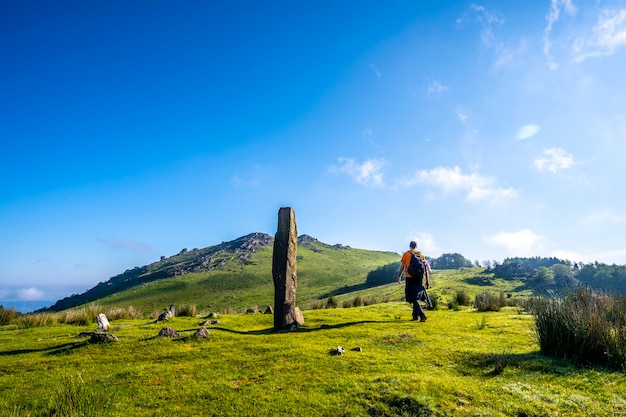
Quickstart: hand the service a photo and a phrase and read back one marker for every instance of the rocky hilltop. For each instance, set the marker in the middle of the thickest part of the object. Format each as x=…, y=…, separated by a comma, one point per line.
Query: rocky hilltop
x=186, y=261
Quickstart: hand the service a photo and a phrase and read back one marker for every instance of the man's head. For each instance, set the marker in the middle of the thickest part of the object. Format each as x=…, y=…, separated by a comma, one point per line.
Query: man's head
x=413, y=244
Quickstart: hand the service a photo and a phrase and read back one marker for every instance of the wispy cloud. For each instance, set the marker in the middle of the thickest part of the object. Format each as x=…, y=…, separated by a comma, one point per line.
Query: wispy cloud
x=485, y=18
x=605, y=217
x=376, y=71
x=476, y=187
x=29, y=294
x=462, y=115
x=527, y=131
x=553, y=160
x=521, y=243
x=556, y=6
x=435, y=88
x=239, y=181
x=126, y=244
x=607, y=35
x=368, y=173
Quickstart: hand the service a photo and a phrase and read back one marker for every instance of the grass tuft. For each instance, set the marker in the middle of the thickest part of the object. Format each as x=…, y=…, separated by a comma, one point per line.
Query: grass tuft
x=583, y=326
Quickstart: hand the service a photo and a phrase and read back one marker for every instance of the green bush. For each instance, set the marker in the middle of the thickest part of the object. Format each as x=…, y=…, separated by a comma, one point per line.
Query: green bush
x=582, y=326
x=487, y=301
x=461, y=298
x=331, y=302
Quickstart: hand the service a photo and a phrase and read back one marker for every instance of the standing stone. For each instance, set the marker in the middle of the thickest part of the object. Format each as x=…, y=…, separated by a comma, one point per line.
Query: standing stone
x=284, y=271
x=173, y=310
x=103, y=322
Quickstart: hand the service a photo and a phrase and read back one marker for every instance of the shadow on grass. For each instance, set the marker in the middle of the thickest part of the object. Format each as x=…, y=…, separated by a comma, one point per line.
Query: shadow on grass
x=494, y=364
x=299, y=330
x=52, y=350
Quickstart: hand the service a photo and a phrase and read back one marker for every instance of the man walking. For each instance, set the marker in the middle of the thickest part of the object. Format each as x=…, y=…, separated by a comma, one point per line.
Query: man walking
x=413, y=265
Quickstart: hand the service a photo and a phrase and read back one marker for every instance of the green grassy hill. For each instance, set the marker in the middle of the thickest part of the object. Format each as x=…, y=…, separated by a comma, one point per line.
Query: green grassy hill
x=234, y=275
x=458, y=363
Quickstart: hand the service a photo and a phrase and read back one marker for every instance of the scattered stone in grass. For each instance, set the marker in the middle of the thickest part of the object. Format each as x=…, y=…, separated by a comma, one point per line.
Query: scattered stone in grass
x=166, y=315
x=250, y=311
x=207, y=322
x=99, y=337
x=168, y=332
x=358, y=349
x=103, y=322
x=201, y=332
x=269, y=310
x=338, y=351
x=212, y=315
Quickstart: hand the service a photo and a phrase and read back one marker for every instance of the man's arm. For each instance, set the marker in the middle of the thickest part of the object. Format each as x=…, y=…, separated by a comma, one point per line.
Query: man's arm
x=402, y=266
x=426, y=275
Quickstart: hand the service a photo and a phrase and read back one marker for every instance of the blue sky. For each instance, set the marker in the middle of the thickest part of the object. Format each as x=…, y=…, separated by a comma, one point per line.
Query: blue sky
x=132, y=130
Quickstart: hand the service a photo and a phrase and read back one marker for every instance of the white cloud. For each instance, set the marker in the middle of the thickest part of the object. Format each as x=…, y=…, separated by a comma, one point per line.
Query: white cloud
x=436, y=88
x=425, y=242
x=29, y=294
x=556, y=6
x=617, y=257
x=367, y=173
x=607, y=35
x=606, y=216
x=451, y=180
x=553, y=160
x=527, y=131
x=521, y=243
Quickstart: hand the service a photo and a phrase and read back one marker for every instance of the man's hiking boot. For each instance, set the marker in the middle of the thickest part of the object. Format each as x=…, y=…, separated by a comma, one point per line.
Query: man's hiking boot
x=423, y=319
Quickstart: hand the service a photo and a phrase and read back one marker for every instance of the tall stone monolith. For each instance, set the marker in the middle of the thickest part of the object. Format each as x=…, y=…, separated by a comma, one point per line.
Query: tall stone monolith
x=286, y=314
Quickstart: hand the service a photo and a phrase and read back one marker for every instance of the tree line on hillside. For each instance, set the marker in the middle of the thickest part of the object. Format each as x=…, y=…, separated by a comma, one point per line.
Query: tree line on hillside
x=540, y=273
x=553, y=273
x=389, y=273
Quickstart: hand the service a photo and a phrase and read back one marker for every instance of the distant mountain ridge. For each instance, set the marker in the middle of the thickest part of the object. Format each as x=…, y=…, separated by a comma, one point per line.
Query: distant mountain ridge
x=216, y=257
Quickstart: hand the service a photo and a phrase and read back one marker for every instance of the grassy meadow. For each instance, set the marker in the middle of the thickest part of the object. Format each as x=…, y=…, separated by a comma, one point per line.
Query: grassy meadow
x=458, y=363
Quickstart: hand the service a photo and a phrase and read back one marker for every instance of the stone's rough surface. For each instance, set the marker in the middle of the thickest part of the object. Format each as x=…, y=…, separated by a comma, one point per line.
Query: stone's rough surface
x=284, y=270
x=201, y=332
x=168, y=332
x=103, y=322
x=99, y=337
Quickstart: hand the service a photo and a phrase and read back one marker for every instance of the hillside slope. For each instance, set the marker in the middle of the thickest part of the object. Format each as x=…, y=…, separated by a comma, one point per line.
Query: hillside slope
x=235, y=274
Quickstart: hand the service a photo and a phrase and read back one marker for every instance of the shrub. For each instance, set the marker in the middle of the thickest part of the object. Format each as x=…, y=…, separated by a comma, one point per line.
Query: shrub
x=8, y=316
x=434, y=299
x=487, y=301
x=186, y=310
x=31, y=320
x=120, y=313
x=318, y=305
x=582, y=326
x=331, y=302
x=80, y=317
x=461, y=298
x=369, y=301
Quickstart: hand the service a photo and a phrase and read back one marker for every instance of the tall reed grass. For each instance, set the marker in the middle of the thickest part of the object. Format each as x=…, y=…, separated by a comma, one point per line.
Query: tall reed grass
x=583, y=326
